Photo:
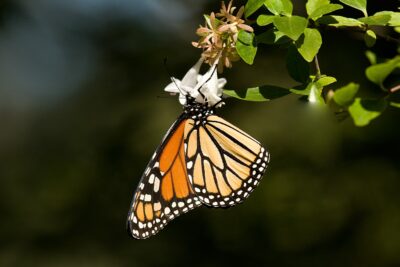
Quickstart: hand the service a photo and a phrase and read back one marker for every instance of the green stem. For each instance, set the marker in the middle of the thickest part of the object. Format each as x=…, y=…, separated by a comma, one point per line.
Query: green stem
x=318, y=74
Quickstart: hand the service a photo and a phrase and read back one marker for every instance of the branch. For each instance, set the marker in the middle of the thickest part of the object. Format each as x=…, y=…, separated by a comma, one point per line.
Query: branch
x=394, y=89
x=388, y=38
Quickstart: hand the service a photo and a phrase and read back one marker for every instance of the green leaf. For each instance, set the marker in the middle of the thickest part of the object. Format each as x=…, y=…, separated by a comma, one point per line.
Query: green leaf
x=298, y=68
x=394, y=104
x=394, y=17
x=303, y=90
x=377, y=19
x=363, y=111
x=292, y=26
x=272, y=36
x=323, y=10
x=371, y=56
x=315, y=93
x=246, y=46
x=313, y=5
x=344, y=96
x=370, y=38
x=326, y=80
x=279, y=7
x=252, y=6
x=264, y=20
x=245, y=37
x=339, y=21
x=309, y=44
x=357, y=4
x=261, y=93
x=377, y=73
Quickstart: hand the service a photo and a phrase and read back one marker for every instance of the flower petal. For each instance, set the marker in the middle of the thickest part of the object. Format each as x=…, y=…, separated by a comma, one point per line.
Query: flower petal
x=190, y=78
x=173, y=86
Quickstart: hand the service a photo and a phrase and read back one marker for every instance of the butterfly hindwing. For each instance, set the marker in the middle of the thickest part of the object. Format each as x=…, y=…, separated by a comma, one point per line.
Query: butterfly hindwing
x=224, y=164
x=164, y=191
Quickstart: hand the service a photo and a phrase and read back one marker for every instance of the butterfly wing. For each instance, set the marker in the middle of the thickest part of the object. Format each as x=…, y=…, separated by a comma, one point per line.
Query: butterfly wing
x=164, y=191
x=224, y=163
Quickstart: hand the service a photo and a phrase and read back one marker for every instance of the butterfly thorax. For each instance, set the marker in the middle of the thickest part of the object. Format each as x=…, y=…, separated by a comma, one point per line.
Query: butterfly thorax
x=198, y=111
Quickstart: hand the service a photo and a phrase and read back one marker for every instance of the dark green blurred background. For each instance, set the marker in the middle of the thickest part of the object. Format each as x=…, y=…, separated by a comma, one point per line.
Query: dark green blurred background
x=82, y=110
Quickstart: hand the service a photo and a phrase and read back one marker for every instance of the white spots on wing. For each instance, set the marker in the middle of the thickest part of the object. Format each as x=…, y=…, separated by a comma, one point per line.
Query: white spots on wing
x=147, y=197
x=167, y=210
x=151, y=178
x=189, y=165
x=147, y=171
x=156, y=184
x=173, y=204
x=181, y=204
x=141, y=186
x=157, y=206
x=141, y=197
x=197, y=190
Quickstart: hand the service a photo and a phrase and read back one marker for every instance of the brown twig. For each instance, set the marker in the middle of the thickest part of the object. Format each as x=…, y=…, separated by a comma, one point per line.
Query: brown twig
x=388, y=38
x=394, y=89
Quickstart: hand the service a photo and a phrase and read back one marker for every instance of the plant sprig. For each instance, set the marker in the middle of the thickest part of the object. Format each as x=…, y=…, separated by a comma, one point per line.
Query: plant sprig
x=227, y=37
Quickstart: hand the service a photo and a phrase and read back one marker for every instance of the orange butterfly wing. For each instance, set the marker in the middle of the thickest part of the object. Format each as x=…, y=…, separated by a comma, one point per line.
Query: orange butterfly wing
x=164, y=191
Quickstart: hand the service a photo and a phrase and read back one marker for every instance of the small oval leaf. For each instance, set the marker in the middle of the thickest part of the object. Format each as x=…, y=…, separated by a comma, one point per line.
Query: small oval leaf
x=258, y=94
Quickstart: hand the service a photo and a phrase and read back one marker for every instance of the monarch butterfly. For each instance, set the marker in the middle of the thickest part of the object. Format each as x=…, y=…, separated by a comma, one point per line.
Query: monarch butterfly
x=202, y=160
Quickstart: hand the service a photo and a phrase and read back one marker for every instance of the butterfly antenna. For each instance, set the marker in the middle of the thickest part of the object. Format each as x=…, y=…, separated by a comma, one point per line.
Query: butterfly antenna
x=171, y=77
x=208, y=79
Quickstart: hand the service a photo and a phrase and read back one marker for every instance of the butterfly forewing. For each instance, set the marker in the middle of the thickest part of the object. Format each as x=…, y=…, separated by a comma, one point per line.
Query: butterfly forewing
x=224, y=164
x=164, y=191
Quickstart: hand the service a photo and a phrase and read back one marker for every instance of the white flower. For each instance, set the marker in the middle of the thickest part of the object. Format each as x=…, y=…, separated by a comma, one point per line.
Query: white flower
x=205, y=89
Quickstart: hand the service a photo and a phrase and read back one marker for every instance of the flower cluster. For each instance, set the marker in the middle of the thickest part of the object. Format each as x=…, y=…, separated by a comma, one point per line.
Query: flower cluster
x=193, y=83
x=218, y=37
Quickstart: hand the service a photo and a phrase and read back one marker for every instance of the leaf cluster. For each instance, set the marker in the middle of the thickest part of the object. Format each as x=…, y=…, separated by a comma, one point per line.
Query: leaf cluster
x=301, y=37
